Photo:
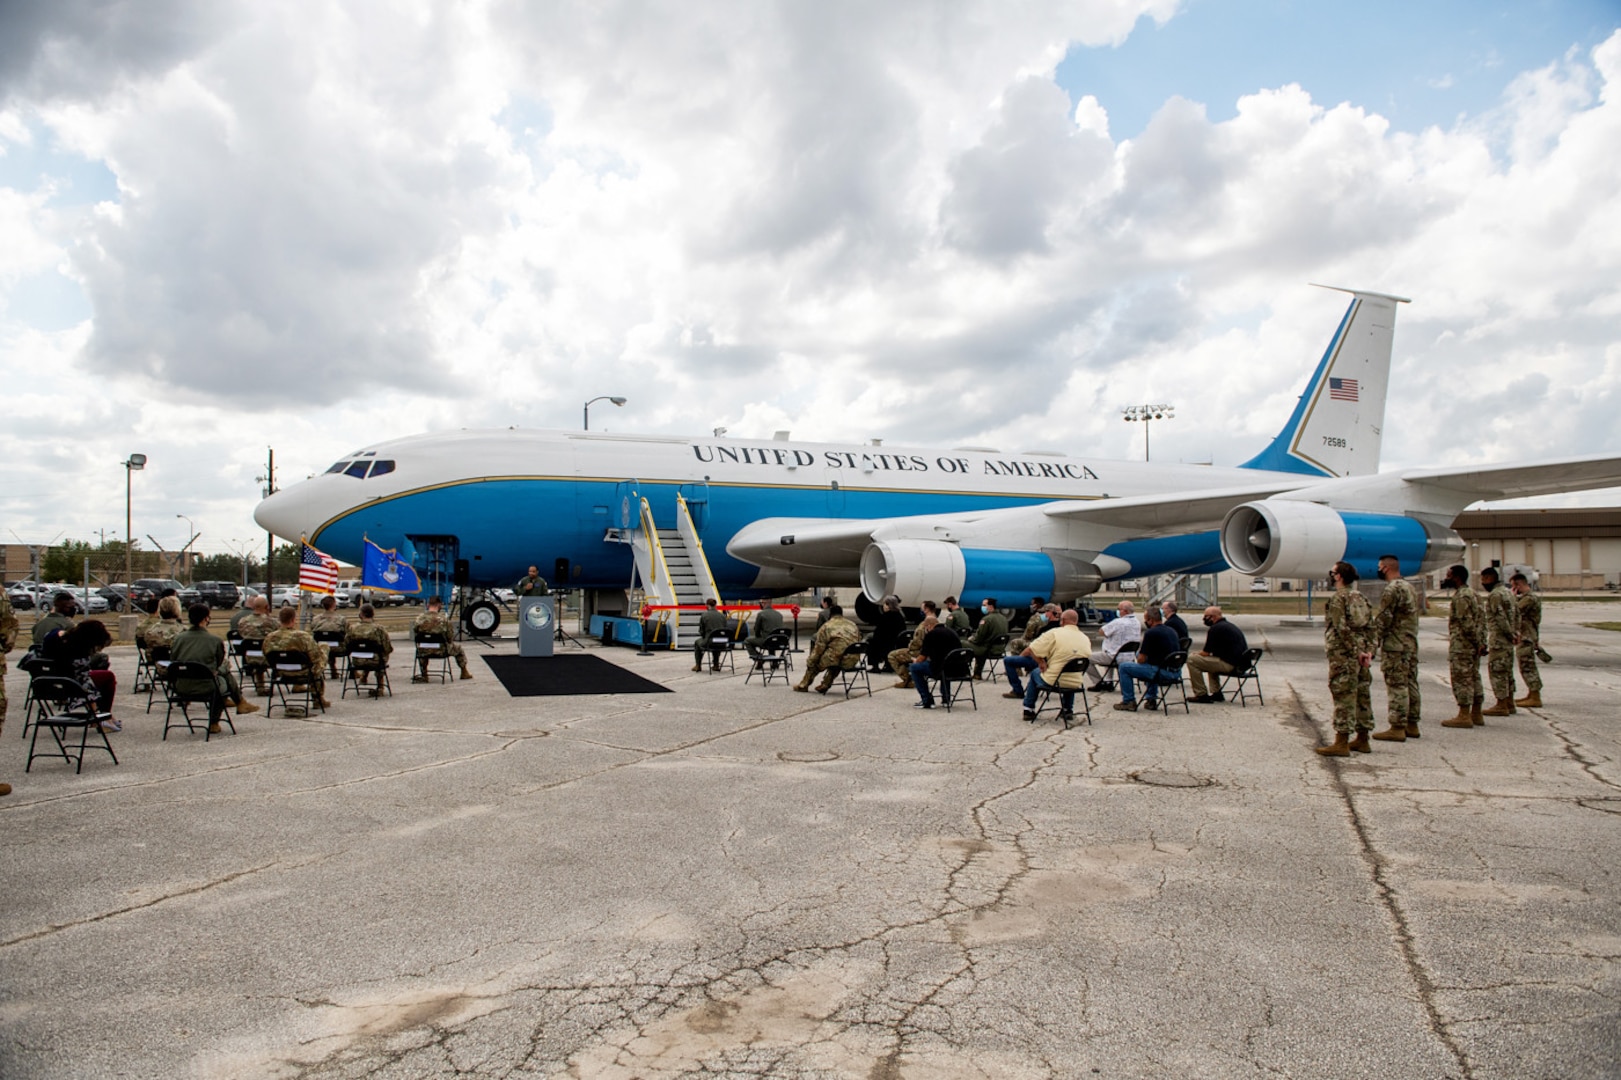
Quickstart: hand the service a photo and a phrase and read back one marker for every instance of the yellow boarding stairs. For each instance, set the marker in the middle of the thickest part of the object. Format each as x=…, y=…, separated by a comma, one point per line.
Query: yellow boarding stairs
x=672, y=569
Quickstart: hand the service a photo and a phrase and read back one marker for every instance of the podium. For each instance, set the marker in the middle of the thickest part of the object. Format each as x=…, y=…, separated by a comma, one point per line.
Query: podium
x=537, y=625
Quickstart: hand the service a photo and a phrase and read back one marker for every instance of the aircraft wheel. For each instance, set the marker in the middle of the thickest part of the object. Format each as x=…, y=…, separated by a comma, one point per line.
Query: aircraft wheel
x=481, y=618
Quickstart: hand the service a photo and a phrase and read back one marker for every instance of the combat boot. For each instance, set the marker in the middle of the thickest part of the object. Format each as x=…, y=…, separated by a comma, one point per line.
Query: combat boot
x=1463, y=719
x=466, y=674
x=1504, y=707
x=244, y=707
x=1474, y=713
x=1341, y=747
x=1361, y=744
x=1412, y=729
x=1532, y=700
x=1392, y=734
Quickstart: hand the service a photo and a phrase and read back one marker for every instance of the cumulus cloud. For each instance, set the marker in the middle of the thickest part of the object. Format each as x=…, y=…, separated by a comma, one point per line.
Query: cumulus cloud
x=339, y=224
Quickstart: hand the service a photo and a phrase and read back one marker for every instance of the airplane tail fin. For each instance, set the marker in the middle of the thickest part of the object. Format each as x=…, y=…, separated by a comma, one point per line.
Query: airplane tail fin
x=1337, y=426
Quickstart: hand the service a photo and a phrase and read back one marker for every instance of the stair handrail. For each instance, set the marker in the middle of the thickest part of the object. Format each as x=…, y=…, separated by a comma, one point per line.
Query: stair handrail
x=695, y=547
x=661, y=570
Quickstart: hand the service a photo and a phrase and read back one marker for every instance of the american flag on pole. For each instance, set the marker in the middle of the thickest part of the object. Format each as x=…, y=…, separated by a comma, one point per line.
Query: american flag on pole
x=1341, y=389
x=317, y=571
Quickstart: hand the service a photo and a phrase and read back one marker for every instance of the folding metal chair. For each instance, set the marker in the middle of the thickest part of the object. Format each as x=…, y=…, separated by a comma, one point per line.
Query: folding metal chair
x=143, y=669
x=1246, y=672
x=333, y=640
x=1076, y=666
x=159, y=666
x=66, y=705
x=38, y=668
x=432, y=657
x=191, y=671
x=1173, y=663
x=772, y=660
x=994, y=652
x=290, y=670
x=720, y=649
x=1105, y=670
x=958, y=671
x=366, y=659
x=851, y=679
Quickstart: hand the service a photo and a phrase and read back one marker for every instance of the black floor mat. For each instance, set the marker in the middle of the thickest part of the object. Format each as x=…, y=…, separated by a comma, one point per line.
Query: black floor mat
x=569, y=673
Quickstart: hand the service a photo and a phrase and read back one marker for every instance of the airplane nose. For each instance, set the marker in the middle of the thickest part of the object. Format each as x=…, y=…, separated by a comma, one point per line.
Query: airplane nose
x=283, y=514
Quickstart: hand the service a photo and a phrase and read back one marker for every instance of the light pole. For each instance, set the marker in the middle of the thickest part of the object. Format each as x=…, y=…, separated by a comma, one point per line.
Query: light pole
x=191, y=532
x=1147, y=413
x=599, y=397
x=242, y=554
x=131, y=464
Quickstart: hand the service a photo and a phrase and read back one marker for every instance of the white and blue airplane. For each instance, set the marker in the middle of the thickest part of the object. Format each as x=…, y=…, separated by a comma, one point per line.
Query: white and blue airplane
x=777, y=517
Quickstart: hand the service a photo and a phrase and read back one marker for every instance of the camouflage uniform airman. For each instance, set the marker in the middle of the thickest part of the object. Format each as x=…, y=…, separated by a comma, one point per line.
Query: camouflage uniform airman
x=1466, y=639
x=295, y=640
x=830, y=652
x=254, y=628
x=1529, y=608
x=324, y=621
x=1502, y=624
x=901, y=660
x=1347, y=635
x=367, y=636
x=8, y=638
x=1395, y=631
x=437, y=622
x=162, y=633
x=1034, y=627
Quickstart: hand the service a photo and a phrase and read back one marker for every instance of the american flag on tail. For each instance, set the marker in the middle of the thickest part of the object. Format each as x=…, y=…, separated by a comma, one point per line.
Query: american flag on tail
x=317, y=571
x=1341, y=389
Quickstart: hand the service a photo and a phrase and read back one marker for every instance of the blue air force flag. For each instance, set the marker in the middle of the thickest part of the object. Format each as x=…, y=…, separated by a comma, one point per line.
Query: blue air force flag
x=384, y=570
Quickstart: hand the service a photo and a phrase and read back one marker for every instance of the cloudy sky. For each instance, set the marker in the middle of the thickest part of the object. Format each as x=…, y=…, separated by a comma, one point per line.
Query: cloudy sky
x=227, y=226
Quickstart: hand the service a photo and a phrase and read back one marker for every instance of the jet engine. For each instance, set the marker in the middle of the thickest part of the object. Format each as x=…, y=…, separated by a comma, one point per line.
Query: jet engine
x=1290, y=538
x=919, y=570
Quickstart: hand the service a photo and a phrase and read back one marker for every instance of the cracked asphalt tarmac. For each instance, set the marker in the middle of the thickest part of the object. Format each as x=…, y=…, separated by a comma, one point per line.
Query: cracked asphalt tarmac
x=731, y=881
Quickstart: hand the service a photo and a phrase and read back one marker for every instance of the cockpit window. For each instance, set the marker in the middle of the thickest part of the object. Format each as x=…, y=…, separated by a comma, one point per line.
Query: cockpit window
x=380, y=467
x=338, y=467
x=358, y=469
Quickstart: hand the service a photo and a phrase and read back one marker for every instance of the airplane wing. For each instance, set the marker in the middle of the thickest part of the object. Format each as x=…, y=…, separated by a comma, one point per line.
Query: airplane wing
x=1170, y=512
x=1518, y=481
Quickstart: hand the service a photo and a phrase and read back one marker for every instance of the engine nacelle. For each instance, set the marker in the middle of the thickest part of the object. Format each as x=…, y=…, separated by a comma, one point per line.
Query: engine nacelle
x=919, y=570
x=1289, y=538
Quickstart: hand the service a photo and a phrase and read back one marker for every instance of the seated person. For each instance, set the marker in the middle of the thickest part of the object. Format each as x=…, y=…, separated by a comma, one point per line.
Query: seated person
x=1159, y=642
x=992, y=625
x=1223, y=653
x=434, y=621
x=830, y=651
x=1023, y=660
x=1051, y=651
x=287, y=636
x=1043, y=617
x=79, y=650
x=1174, y=621
x=1118, y=632
x=161, y=634
x=932, y=651
x=901, y=659
x=197, y=646
x=367, y=636
x=888, y=633
x=768, y=622
x=327, y=620
x=60, y=618
x=710, y=623
x=253, y=628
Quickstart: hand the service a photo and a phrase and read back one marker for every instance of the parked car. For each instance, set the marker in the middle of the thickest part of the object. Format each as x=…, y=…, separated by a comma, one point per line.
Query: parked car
x=22, y=595
x=117, y=596
x=284, y=595
x=218, y=594
x=187, y=596
x=85, y=602
x=1260, y=585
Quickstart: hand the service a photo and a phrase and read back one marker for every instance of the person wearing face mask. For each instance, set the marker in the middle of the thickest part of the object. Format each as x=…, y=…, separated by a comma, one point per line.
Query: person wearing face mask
x=1223, y=653
x=1395, y=632
x=1174, y=621
x=992, y=626
x=1019, y=658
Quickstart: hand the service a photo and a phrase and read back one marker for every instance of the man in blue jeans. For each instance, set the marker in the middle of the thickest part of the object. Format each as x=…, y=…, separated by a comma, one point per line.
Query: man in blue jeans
x=1050, y=652
x=937, y=644
x=1159, y=642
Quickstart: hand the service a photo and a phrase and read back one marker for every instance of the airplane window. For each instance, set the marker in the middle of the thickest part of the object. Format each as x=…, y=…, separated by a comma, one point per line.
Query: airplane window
x=380, y=467
x=358, y=469
x=338, y=467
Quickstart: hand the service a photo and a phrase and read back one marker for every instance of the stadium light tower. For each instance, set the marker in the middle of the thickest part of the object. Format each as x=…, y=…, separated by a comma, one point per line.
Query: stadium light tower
x=1148, y=414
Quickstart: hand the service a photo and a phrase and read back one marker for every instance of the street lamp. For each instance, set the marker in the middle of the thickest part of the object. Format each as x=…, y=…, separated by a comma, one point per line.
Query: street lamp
x=599, y=397
x=191, y=534
x=1147, y=413
x=241, y=550
x=131, y=464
